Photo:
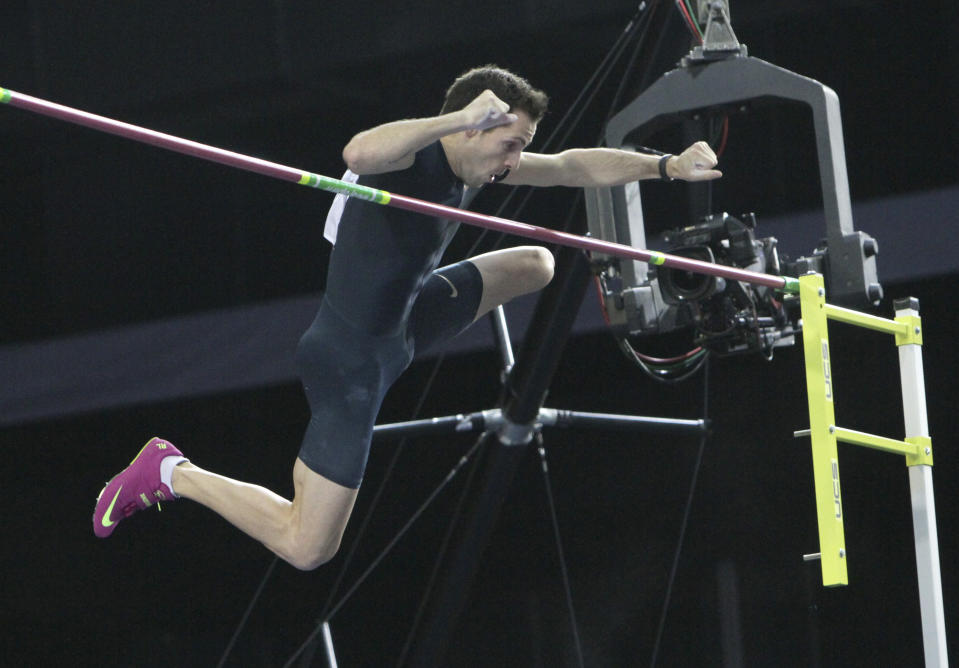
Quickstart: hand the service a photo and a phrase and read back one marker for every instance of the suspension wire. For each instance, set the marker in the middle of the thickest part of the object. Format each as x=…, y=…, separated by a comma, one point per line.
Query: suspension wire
x=637, y=26
x=621, y=89
x=437, y=563
x=685, y=521
x=614, y=103
x=246, y=615
x=640, y=19
x=465, y=459
x=592, y=87
x=559, y=549
x=380, y=489
x=642, y=29
x=589, y=90
x=613, y=56
x=359, y=534
x=640, y=23
x=389, y=547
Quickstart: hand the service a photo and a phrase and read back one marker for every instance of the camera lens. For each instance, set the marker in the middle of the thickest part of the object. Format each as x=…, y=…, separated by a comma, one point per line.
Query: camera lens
x=679, y=285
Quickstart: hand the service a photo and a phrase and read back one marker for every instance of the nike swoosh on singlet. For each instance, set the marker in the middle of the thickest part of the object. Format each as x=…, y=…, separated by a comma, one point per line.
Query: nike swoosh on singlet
x=455, y=293
x=106, y=521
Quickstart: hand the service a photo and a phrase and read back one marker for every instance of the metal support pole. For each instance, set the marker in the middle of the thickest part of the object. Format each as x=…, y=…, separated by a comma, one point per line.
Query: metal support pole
x=522, y=399
x=920, y=485
x=328, y=645
x=501, y=334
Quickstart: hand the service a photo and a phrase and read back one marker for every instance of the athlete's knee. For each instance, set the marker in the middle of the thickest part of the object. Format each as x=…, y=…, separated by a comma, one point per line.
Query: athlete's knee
x=307, y=553
x=535, y=266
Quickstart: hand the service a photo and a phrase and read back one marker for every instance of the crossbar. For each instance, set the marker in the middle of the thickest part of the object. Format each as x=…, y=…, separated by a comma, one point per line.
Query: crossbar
x=306, y=178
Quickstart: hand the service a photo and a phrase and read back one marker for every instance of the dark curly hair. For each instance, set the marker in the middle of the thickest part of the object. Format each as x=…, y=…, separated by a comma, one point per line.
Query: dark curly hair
x=512, y=89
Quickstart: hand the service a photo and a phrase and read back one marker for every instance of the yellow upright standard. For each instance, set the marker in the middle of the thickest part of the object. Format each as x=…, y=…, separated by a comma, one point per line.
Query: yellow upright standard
x=822, y=421
x=916, y=446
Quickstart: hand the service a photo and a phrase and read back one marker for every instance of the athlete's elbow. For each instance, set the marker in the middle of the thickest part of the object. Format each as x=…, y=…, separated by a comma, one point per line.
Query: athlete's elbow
x=355, y=158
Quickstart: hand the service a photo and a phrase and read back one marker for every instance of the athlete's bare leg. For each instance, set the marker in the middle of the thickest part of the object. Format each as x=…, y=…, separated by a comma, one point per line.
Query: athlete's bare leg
x=512, y=272
x=306, y=531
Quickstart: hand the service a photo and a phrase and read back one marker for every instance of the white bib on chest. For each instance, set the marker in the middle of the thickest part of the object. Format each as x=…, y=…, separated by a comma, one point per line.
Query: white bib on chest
x=336, y=210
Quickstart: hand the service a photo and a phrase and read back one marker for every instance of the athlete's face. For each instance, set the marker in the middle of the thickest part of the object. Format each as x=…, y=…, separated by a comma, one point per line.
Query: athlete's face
x=490, y=153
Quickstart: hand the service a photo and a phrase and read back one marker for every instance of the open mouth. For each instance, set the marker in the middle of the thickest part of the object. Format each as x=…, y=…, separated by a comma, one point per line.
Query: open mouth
x=499, y=177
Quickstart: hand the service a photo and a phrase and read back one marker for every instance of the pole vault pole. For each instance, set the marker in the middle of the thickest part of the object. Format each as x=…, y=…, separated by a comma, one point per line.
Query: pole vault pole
x=305, y=178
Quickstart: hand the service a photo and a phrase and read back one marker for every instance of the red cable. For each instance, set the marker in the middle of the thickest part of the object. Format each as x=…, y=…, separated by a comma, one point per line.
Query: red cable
x=722, y=142
x=602, y=299
x=689, y=20
x=669, y=360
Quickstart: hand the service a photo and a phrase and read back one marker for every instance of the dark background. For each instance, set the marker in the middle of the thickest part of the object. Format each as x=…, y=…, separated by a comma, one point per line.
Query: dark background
x=98, y=233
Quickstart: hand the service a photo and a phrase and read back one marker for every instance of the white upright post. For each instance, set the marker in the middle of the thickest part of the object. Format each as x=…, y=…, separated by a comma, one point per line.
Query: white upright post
x=920, y=484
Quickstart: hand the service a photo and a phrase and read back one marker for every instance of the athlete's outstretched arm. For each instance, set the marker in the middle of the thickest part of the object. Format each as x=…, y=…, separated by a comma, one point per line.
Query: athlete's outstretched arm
x=393, y=146
x=593, y=167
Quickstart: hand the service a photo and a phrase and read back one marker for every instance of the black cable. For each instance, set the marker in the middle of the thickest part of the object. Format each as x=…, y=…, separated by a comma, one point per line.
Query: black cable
x=437, y=563
x=665, y=33
x=380, y=489
x=644, y=28
x=621, y=89
x=386, y=550
x=591, y=88
x=246, y=615
x=559, y=549
x=684, y=523
x=356, y=540
x=664, y=375
x=601, y=72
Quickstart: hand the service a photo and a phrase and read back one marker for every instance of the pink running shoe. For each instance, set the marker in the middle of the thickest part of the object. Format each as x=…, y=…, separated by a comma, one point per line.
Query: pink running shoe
x=136, y=487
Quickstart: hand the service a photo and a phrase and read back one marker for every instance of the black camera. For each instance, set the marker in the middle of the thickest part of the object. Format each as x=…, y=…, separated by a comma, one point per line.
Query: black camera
x=728, y=316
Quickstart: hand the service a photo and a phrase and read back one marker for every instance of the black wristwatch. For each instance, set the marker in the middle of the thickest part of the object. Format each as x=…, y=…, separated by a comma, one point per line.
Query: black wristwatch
x=662, y=167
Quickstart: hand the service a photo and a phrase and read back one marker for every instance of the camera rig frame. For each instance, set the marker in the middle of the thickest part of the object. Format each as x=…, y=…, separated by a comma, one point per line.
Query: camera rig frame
x=725, y=78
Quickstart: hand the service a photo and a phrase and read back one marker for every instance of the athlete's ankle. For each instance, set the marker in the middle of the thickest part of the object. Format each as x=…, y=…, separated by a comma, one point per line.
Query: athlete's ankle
x=169, y=470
